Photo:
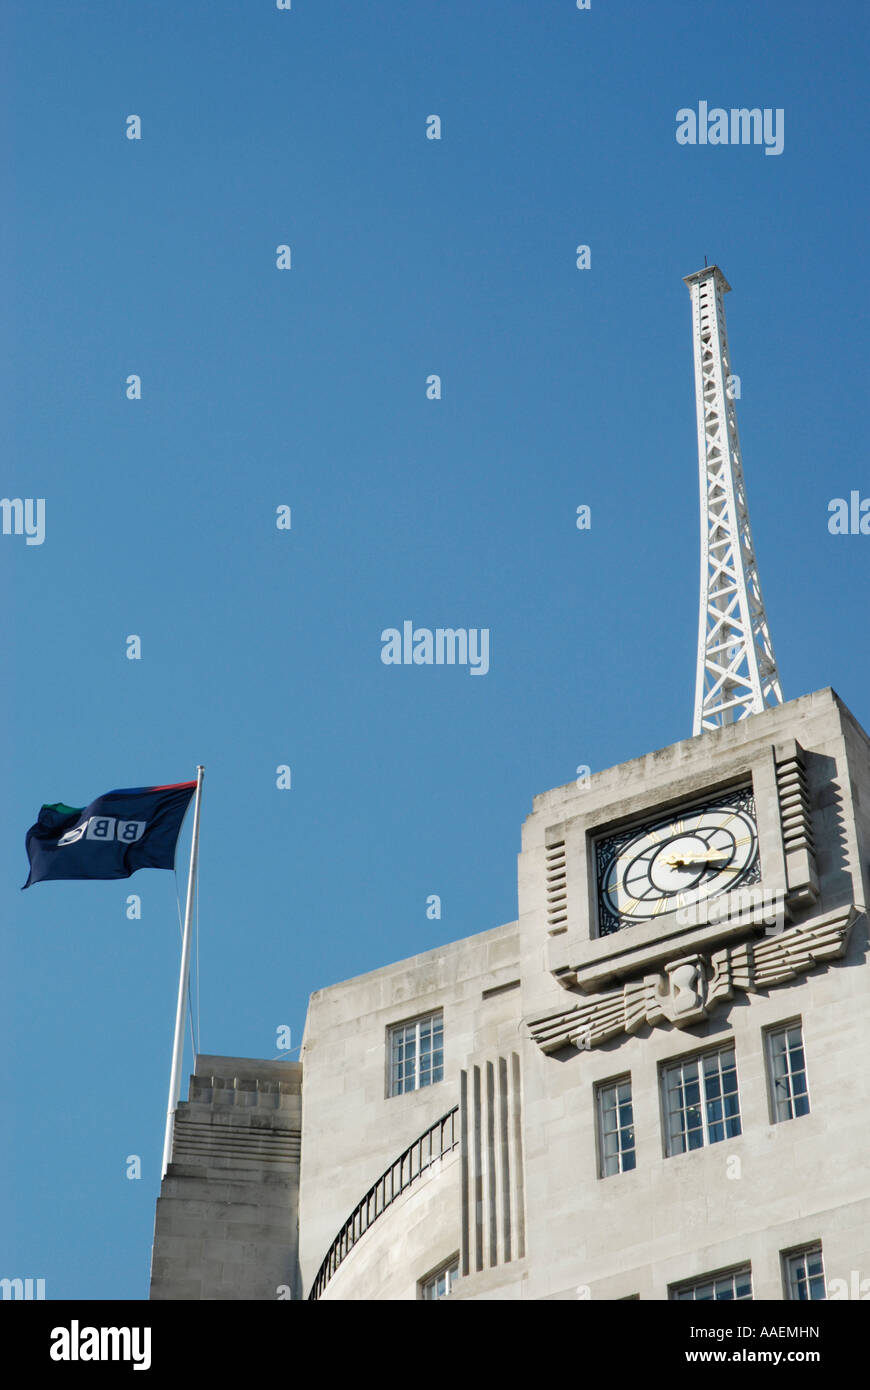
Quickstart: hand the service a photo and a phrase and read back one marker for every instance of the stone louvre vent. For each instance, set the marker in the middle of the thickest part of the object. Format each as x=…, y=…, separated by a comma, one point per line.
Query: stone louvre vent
x=557, y=888
x=215, y=1139
x=797, y=825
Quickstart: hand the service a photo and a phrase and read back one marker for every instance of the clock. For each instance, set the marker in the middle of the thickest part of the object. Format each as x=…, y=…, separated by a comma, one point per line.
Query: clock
x=694, y=853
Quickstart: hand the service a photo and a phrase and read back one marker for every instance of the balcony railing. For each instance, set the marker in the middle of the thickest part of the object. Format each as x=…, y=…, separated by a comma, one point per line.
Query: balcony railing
x=438, y=1140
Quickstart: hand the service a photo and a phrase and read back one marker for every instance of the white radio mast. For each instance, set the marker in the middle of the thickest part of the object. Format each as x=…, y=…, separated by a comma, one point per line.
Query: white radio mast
x=737, y=673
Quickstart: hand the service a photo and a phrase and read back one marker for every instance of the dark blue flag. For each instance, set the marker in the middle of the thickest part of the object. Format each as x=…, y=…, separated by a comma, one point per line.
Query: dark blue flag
x=136, y=828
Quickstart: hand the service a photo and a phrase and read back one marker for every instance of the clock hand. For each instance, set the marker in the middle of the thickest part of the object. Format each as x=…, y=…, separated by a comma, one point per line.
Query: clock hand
x=682, y=861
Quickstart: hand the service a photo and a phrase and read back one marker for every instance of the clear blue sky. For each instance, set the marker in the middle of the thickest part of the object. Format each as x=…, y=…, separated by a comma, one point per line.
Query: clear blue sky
x=307, y=387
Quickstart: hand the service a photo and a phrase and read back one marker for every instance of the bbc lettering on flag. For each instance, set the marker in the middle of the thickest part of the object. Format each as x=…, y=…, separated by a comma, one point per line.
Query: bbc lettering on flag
x=122, y=831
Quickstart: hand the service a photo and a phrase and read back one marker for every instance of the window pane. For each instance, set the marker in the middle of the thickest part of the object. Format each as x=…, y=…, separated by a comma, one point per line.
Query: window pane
x=788, y=1078
x=440, y=1284
x=416, y=1054
x=701, y=1101
x=806, y=1275
x=615, y=1128
x=725, y=1287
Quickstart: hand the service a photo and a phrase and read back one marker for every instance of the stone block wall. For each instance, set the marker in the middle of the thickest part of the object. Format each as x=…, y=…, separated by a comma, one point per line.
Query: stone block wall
x=227, y=1215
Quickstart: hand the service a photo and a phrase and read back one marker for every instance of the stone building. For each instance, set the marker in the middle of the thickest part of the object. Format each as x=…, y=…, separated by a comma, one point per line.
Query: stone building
x=650, y=1085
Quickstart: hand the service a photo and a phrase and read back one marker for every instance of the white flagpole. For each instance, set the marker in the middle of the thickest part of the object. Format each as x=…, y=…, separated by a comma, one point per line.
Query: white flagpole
x=181, y=1008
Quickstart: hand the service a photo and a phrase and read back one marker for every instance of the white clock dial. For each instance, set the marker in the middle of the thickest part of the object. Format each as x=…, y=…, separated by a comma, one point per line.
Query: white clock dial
x=696, y=854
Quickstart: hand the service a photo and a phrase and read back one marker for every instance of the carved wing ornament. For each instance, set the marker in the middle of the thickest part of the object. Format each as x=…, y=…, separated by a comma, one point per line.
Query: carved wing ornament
x=688, y=988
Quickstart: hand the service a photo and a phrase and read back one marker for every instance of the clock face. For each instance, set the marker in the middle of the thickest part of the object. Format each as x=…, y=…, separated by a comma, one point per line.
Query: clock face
x=692, y=854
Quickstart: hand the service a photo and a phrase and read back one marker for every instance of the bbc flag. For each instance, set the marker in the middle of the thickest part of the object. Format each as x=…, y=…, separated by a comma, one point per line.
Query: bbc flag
x=136, y=828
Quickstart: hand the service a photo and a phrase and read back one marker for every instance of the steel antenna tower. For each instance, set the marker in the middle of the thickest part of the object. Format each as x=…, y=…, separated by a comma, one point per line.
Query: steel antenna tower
x=737, y=673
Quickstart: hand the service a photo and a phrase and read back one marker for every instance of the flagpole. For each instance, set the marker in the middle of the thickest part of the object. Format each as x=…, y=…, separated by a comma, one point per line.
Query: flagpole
x=181, y=1007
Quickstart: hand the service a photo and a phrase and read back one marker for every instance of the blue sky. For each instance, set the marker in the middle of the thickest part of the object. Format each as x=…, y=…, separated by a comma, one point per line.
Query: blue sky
x=307, y=388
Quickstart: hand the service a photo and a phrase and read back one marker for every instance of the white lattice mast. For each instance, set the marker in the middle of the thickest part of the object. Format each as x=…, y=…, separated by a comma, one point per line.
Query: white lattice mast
x=737, y=673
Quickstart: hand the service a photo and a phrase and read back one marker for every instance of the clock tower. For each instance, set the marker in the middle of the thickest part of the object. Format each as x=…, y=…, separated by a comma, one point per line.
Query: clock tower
x=651, y=1085
x=695, y=989
x=700, y=917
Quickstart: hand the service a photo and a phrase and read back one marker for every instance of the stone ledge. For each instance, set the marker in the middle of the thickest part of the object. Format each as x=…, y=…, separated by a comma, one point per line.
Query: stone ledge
x=652, y=944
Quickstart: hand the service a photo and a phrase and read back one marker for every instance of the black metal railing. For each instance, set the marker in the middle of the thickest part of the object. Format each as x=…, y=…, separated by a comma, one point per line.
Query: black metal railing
x=439, y=1139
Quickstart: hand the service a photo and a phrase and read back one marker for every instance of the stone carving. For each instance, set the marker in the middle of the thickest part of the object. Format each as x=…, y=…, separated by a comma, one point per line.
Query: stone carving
x=687, y=989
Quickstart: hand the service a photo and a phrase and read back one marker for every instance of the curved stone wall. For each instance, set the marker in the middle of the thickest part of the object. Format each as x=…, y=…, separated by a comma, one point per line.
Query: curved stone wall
x=416, y=1234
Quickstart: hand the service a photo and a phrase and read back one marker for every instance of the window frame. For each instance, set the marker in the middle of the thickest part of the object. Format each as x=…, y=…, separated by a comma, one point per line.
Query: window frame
x=393, y=1029
x=769, y=1034
x=731, y=1271
x=613, y=1083
x=446, y=1267
x=669, y=1065
x=800, y=1252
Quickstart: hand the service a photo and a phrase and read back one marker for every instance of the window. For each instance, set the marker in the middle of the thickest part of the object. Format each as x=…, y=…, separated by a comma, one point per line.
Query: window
x=440, y=1284
x=615, y=1128
x=787, y=1072
x=804, y=1273
x=731, y=1284
x=700, y=1100
x=416, y=1054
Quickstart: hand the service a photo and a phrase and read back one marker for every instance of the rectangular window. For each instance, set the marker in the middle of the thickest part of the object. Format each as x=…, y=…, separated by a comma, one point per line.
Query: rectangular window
x=440, y=1284
x=731, y=1284
x=701, y=1103
x=416, y=1054
x=804, y=1273
x=787, y=1072
x=615, y=1128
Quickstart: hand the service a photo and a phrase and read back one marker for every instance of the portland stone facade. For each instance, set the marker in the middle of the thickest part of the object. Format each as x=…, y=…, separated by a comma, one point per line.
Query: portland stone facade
x=650, y=1085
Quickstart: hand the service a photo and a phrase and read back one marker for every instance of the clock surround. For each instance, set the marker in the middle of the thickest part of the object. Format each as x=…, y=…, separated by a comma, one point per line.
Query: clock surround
x=651, y=789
